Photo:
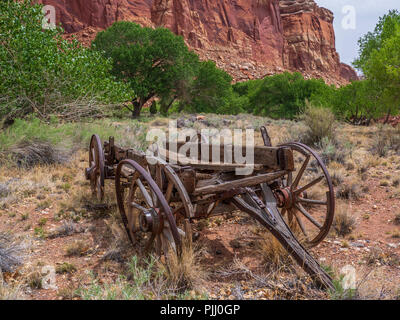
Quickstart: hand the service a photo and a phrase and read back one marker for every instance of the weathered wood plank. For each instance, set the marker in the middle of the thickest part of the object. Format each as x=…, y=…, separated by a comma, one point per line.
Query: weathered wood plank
x=241, y=183
x=220, y=167
x=272, y=157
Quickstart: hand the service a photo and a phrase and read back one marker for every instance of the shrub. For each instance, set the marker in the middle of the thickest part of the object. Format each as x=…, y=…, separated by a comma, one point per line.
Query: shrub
x=11, y=253
x=282, y=95
x=320, y=123
x=330, y=151
x=344, y=223
x=349, y=191
x=65, y=267
x=143, y=281
x=386, y=139
x=40, y=70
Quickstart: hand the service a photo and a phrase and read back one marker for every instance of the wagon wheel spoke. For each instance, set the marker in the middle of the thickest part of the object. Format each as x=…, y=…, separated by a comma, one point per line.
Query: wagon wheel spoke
x=289, y=179
x=95, y=172
x=308, y=216
x=168, y=194
x=147, y=198
x=305, y=208
x=145, y=212
x=312, y=202
x=150, y=242
x=301, y=171
x=138, y=207
x=290, y=217
x=158, y=245
x=301, y=225
x=309, y=185
x=167, y=240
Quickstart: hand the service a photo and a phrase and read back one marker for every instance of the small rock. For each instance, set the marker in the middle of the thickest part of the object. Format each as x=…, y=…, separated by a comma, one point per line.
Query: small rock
x=392, y=245
x=357, y=244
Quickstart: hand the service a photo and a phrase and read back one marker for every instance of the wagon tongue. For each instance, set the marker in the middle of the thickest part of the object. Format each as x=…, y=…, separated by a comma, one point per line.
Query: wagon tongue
x=268, y=215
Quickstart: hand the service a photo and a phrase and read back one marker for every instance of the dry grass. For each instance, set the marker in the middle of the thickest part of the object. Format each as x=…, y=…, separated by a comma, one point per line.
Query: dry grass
x=386, y=140
x=47, y=187
x=337, y=176
x=10, y=291
x=275, y=256
x=33, y=153
x=350, y=190
x=185, y=272
x=344, y=222
x=77, y=248
x=11, y=252
x=34, y=280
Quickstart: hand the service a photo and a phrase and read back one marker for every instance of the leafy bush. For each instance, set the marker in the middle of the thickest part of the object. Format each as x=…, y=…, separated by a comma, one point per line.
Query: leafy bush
x=280, y=96
x=39, y=69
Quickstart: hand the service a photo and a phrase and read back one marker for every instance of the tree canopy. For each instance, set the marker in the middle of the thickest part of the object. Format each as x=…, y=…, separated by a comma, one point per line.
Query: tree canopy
x=155, y=62
x=279, y=96
x=380, y=61
x=39, y=69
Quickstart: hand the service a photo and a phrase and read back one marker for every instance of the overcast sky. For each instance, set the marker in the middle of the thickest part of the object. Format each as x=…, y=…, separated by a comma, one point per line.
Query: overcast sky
x=349, y=30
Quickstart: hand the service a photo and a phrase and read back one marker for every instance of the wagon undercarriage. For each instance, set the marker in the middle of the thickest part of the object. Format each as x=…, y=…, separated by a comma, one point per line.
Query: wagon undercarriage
x=289, y=192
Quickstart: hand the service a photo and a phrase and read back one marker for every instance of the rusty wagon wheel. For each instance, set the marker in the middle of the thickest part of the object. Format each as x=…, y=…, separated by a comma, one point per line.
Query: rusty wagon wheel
x=308, y=198
x=145, y=212
x=95, y=172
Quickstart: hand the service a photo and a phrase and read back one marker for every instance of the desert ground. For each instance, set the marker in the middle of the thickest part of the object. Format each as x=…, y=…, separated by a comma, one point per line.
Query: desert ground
x=52, y=222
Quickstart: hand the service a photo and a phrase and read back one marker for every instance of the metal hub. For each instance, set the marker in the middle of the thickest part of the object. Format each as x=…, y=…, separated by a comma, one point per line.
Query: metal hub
x=149, y=221
x=284, y=198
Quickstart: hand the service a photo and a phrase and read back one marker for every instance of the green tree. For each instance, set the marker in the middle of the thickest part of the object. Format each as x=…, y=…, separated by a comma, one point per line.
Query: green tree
x=39, y=70
x=283, y=95
x=383, y=67
x=385, y=29
x=210, y=91
x=153, y=61
x=380, y=61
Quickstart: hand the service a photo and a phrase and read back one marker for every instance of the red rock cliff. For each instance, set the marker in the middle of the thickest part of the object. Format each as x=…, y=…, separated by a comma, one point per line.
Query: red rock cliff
x=247, y=38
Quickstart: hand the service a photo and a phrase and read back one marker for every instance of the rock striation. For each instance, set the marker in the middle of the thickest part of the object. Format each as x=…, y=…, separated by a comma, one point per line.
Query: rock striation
x=248, y=38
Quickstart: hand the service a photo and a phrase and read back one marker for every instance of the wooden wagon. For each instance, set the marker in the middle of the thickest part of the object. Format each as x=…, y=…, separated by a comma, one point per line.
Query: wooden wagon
x=289, y=190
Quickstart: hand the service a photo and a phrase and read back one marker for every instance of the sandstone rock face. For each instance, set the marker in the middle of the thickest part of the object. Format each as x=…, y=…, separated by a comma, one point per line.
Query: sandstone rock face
x=248, y=38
